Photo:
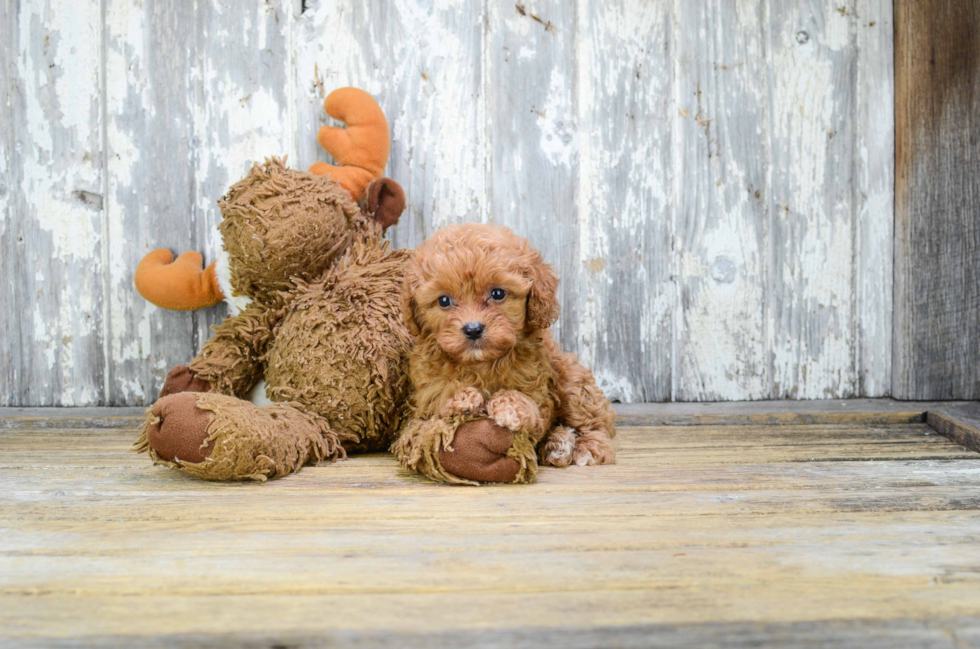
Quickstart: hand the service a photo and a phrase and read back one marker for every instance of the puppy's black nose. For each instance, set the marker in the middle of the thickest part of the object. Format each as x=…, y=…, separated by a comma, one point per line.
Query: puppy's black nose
x=473, y=330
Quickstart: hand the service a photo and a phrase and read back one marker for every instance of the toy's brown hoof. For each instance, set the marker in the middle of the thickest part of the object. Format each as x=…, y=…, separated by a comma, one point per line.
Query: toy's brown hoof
x=182, y=429
x=480, y=453
x=181, y=379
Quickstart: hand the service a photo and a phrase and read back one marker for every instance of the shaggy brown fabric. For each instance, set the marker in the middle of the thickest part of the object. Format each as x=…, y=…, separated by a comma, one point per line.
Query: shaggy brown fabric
x=479, y=452
x=178, y=430
x=422, y=442
x=181, y=379
x=251, y=443
x=341, y=351
x=418, y=445
x=231, y=361
x=280, y=223
x=324, y=329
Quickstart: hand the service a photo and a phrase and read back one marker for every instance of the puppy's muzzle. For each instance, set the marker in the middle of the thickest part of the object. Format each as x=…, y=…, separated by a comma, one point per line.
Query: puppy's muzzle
x=473, y=330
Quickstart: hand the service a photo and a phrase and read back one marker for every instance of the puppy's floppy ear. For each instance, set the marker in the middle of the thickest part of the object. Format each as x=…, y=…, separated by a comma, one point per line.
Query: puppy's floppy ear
x=411, y=284
x=385, y=201
x=542, y=300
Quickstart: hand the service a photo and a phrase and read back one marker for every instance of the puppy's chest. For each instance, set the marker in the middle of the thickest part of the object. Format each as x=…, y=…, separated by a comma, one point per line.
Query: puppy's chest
x=533, y=376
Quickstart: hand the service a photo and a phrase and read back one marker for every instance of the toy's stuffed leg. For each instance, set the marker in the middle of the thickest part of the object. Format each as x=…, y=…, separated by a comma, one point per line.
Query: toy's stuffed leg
x=470, y=452
x=218, y=437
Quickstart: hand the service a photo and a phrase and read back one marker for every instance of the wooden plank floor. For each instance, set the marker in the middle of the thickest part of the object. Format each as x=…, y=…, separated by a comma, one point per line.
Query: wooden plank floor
x=854, y=534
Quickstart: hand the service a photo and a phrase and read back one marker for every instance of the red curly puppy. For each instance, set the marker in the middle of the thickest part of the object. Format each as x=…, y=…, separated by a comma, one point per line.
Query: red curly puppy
x=482, y=301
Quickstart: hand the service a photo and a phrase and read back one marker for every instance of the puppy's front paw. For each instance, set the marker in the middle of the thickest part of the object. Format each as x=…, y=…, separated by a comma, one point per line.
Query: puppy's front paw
x=556, y=448
x=590, y=450
x=514, y=411
x=467, y=401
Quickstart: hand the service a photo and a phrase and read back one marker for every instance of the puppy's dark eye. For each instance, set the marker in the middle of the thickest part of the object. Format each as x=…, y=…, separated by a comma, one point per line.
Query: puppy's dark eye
x=445, y=302
x=498, y=294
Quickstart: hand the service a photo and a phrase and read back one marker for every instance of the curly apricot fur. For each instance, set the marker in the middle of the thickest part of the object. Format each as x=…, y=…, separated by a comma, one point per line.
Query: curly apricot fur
x=456, y=278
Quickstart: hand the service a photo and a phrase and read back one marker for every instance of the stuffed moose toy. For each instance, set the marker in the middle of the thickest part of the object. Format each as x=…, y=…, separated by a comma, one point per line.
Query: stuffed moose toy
x=315, y=293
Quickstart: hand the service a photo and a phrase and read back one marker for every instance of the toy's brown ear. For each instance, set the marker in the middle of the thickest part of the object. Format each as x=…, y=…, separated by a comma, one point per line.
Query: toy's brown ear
x=386, y=201
x=409, y=285
x=542, y=300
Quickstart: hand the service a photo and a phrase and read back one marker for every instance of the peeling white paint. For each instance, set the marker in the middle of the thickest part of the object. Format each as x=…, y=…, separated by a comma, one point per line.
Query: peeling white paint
x=590, y=201
x=5, y=190
x=556, y=122
x=623, y=196
x=811, y=334
x=70, y=224
x=617, y=388
x=627, y=139
x=427, y=81
x=875, y=179
x=56, y=160
x=130, y=318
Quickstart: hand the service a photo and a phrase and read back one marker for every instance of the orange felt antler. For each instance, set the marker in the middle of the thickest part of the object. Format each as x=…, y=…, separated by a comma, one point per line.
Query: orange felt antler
x=361, y=149
x=179, y=285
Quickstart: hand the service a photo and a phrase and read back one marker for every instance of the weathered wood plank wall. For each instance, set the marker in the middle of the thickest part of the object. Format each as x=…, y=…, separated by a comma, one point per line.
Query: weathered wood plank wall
x=937, y=257
x=53, y=213
x=191, y=98
x=713, y=179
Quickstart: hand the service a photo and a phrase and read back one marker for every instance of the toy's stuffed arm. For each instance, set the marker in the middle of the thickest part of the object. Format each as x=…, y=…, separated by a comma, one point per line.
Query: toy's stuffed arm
x=361, y=149
x=230, y=361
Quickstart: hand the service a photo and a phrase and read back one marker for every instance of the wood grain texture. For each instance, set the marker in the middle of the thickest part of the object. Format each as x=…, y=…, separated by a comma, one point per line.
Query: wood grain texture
x=424, y=63
x=531, y=91
x=243, y=81
x=151, y=190
x=711, y=180
x=54, y=216
x=619, y=288
x=811, y=213
x=936, y=349
x=959, y=422
x=10, y=328
x=843, y=634
x=873, y=192
x=194, y=98
x=867, y=411
x=722, y=92
x=762, y=534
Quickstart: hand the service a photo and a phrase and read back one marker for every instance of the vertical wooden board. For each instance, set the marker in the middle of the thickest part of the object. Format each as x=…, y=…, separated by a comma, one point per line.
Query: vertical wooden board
x=151, y=191
x=423, y=62
x=722, y=158
x=874, y=192
x=53, y=216
x=621, y=276
x=811, y=321
x=11, y=330
x=532, y=119
x=193, y=98
x=242, y=102
x=936, y=350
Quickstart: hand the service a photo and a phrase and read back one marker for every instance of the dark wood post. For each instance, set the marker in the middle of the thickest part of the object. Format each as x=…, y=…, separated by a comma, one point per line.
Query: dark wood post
x=936, y=349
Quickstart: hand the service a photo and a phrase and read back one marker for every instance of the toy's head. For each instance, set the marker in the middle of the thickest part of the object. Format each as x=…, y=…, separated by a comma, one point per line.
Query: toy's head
x=477, y=290
x=279, y=223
